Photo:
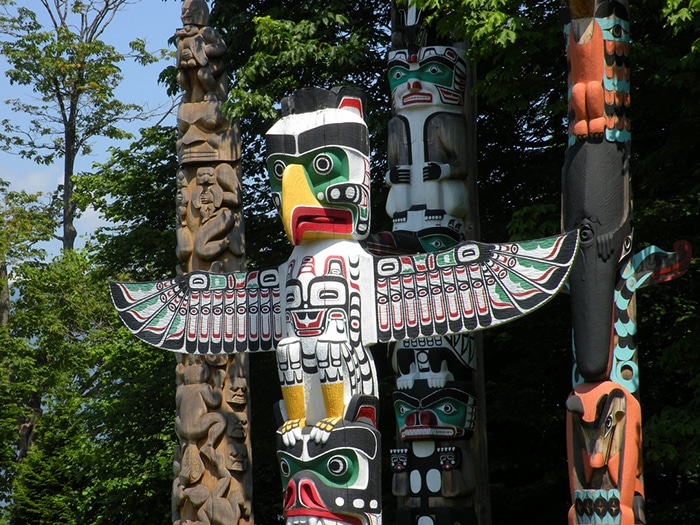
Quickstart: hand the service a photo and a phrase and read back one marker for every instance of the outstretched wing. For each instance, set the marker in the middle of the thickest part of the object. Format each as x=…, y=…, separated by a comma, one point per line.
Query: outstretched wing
x=469, y=287
x=204, y=313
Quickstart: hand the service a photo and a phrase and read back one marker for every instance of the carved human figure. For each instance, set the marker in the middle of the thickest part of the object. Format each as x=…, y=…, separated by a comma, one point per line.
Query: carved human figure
x=217, y=197
x=199, y=55
x=237, y=393
x=205, y=135
x=185, y=242
x=194, y=399
x=213, y=506
x=427, y=157
x=237, y=425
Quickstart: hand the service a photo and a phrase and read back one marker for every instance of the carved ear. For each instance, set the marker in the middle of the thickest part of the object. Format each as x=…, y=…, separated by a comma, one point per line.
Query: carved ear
x=350, y=98
x=352, y=104
x=574, y=405
x=617, y=409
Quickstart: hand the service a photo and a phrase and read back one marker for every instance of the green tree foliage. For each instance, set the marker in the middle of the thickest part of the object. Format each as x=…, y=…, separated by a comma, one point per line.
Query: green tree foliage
x=25, y=221
x=135, y=192
x=74, y=75
x=103, y=447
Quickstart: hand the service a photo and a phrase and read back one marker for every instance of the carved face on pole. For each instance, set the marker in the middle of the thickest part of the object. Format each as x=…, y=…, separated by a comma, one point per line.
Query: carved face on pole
x=319, y=174
x=195, y=12
x=435, y=77
x=333, y=483
x=425, y=413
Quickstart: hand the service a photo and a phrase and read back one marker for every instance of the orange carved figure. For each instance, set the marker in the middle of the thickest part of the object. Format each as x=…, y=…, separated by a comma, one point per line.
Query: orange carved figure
x=604, y=431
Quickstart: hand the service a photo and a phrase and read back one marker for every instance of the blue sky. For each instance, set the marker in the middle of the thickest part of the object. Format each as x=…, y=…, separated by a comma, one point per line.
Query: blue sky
x=152, y=20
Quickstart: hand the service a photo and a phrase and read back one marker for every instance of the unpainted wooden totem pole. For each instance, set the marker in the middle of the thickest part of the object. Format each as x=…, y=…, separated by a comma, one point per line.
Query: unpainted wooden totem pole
x=604, y=427
x=439, y=464
x=213, y=473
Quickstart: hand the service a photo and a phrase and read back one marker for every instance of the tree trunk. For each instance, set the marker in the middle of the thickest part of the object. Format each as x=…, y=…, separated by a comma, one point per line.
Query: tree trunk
x=69, y=231
x=4, y=295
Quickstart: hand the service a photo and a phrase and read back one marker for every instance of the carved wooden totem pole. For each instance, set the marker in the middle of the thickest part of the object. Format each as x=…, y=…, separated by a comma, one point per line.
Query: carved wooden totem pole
x=432, y=201
x=213, y=474
x=604, y=415
x=321, y=310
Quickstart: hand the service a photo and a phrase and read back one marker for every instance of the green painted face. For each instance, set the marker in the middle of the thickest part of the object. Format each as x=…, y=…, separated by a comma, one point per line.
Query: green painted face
x=432, y=72
x=338, y=468
x=323, y=167
x=448, y=412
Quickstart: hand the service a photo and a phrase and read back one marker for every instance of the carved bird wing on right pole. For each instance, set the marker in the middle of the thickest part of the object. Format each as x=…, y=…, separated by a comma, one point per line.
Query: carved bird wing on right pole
x=469, y=287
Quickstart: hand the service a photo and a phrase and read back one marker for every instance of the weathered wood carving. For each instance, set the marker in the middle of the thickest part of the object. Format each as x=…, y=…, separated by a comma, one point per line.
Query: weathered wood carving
x=213, y=476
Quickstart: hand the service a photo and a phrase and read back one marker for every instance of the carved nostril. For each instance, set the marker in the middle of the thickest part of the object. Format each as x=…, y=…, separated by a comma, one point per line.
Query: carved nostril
x=290, y=495
x=309, y=496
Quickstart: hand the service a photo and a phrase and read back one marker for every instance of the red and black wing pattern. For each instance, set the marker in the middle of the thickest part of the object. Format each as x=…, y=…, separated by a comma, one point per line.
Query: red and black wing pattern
x=469, y=287
x=204, y=313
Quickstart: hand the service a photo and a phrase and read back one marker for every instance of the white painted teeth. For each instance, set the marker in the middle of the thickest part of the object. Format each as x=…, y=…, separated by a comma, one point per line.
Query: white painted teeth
x=312, y=520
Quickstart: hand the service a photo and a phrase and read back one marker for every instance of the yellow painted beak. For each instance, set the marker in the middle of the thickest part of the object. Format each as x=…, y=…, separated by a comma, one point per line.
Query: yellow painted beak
x=296, y=193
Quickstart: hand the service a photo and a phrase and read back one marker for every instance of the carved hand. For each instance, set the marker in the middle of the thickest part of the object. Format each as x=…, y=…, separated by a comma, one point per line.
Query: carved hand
x=435, y=171
x=398, y=175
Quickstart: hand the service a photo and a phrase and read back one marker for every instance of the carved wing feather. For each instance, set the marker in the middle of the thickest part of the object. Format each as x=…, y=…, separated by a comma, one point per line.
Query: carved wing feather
x=469, y=287
x=204, y=313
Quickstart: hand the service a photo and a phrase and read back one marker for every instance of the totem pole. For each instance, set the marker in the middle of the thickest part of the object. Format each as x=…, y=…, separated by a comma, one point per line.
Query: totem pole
x=332, y=299
x=604, y=416
x=213, y=473
x=439, y=464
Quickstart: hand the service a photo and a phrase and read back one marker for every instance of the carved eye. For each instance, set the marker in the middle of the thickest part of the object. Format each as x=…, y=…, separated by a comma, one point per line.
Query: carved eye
x=586, y=233
x=278, y=169
x=434, y=70
x=337, y=465
x=448, y=408
x=608, y=424
x=398, y=74
x=284, y=467
x=323, y=164
x=626, y=247
x=293, y=296
x=328, y=295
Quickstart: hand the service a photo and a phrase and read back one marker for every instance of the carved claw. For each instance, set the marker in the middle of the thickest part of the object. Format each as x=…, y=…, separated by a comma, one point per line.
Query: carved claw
x=322, y=430
x=291, y=431
x=405, y=381
x=439, y=379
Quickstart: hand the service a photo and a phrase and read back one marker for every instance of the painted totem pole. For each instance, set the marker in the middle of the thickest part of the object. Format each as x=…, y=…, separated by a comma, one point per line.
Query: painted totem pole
x=331, y=300
x=604, y=415
x=213, y=474
x=432, y=201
